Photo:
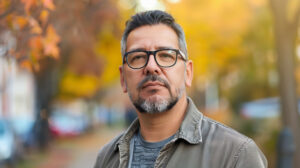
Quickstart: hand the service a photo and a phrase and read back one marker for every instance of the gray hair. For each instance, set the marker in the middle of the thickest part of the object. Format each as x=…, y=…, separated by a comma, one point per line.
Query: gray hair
x=153, y=17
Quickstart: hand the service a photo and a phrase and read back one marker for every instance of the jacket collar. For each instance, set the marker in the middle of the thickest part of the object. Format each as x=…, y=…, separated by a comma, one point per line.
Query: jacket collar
x=128, y=134
x=190, y=129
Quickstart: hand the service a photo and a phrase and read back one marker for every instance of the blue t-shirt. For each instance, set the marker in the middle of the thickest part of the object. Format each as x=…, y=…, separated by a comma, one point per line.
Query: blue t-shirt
x=144, y=153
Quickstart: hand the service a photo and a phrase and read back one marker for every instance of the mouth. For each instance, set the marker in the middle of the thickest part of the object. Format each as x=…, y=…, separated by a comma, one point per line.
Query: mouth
x=152, y=84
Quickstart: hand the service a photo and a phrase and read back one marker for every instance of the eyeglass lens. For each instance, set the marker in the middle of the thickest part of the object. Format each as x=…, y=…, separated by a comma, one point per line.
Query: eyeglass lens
x=163, y=58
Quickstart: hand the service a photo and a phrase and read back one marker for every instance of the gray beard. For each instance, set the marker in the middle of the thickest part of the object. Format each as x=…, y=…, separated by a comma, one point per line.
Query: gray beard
x=158, y=105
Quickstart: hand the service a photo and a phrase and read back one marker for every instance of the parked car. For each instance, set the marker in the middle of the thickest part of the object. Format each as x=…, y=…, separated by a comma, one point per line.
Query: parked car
x=262, y=108
x=67, y=124
x=23, y=128
x=7, y=143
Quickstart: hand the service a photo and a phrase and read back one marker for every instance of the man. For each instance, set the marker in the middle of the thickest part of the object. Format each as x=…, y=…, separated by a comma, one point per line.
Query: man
x=170, y=131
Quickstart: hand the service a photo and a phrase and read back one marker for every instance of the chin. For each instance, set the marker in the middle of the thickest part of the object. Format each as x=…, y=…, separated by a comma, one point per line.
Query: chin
x=155, y=98
x=154, y=103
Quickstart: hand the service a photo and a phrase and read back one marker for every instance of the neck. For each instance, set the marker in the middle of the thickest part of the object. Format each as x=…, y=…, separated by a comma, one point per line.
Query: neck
x=160, y=126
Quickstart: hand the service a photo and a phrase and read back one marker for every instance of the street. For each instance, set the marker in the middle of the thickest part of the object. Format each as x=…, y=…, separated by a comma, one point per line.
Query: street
x=71, y=152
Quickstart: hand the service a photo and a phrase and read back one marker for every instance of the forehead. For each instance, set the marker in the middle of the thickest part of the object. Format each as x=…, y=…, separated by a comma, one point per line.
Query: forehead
x=151, y=37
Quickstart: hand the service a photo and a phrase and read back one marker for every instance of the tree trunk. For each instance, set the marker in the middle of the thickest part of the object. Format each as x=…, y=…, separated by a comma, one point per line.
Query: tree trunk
x=46, y=80
x=285, y=32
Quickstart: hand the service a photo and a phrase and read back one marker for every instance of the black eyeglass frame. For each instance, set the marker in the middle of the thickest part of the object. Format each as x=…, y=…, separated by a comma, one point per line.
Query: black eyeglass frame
x=178, y=52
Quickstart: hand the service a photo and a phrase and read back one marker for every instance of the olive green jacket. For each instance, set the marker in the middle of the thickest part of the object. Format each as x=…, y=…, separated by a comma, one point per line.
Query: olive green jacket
x=200, y=142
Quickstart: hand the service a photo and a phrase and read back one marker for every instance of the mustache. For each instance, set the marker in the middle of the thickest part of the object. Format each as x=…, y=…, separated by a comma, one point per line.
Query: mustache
x=153, y=78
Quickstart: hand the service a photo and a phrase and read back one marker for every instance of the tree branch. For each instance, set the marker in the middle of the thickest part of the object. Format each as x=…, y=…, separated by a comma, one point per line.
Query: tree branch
x=10, y=10
x=12, y=7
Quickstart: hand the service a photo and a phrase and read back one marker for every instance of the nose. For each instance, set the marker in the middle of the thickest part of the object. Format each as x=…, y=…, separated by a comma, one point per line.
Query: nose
x=152, y=67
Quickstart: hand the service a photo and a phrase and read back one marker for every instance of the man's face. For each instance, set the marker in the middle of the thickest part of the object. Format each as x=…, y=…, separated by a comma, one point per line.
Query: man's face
x=155, y=89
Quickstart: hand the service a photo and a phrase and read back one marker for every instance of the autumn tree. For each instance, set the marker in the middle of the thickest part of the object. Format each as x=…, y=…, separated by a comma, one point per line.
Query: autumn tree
x=28, y=22
x=57, y=41
x=90, y=34
x=35, y=48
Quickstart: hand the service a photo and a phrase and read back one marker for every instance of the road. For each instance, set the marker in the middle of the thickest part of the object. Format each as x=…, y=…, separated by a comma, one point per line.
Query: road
x=75, y=152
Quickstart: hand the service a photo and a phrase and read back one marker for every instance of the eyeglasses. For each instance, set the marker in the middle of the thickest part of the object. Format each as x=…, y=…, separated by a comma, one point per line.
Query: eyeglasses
x=163, y=57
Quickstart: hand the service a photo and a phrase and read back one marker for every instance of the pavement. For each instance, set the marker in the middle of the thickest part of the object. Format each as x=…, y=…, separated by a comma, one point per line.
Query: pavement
x=71, y=152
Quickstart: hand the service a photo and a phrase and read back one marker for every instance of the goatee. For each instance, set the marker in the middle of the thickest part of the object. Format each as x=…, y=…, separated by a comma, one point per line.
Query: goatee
x=155, y=104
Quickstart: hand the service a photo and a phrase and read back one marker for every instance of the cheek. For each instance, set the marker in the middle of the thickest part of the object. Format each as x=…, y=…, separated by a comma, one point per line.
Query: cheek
x=177, y=80
x=132, y=80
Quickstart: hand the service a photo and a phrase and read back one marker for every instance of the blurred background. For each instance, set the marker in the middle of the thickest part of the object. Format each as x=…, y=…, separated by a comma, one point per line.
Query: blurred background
x=60, y=97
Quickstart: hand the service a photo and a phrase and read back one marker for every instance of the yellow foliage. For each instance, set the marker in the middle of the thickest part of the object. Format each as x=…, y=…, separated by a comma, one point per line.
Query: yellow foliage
x=44, y=16
x=213, y=31
x=4, y=4
x=78, y=85
x=292, y=8
x=108, y=47
x=20, y=22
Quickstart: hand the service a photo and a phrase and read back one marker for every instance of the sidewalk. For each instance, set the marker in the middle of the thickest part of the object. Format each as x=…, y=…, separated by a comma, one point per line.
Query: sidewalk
x=76, y=152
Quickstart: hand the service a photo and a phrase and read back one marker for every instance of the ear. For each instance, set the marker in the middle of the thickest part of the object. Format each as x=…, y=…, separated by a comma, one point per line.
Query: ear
x=189, y=73
x=122, y=79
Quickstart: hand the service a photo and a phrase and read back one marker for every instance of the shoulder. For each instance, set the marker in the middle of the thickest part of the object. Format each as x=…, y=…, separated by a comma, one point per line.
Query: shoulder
x=107, y=151
x=218, y=130
x=249, y=155
x=241, y=149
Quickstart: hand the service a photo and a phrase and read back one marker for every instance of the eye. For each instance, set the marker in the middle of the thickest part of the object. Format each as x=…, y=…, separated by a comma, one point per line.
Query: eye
x=167, y=55
x=136, y=57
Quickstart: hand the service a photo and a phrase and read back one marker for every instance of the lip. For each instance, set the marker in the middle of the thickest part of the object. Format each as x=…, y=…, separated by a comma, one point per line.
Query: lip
x=150, y=84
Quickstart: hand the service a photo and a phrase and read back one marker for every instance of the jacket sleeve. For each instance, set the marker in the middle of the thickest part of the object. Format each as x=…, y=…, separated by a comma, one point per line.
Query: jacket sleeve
x=106, y=154
x=250, y=156
x=101, y=157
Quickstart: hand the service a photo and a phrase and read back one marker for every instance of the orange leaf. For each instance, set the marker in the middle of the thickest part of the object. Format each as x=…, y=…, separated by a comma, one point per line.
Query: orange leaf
x=35, y=27
x=26, y=64
x=50, y=42
x=49, y=4
x=44, y=16
x=21, y=21
x=4, y=4
x=35, y=44
x=28, y=4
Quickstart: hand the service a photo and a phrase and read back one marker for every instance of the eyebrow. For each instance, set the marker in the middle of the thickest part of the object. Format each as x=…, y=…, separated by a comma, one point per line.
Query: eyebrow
x=158, y=48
